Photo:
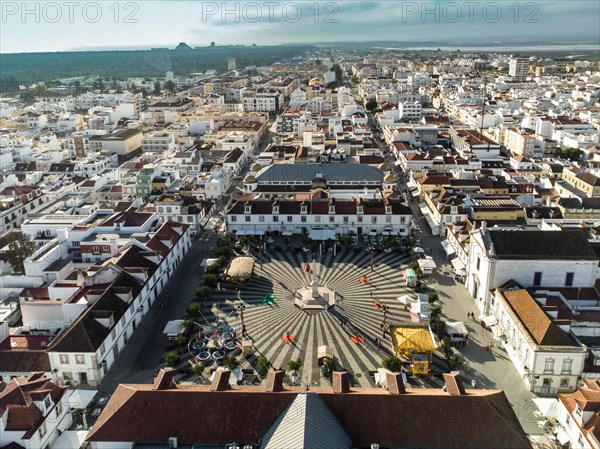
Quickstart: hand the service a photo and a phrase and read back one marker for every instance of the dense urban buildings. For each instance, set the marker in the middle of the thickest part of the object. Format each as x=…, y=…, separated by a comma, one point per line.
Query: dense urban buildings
x=404, y=244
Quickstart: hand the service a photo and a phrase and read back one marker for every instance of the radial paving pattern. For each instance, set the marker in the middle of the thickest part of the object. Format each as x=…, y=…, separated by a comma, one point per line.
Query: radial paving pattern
x=281, y=275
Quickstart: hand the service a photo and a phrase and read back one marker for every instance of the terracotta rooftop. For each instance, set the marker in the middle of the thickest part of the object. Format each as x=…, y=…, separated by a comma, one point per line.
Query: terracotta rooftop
x=418, y=418
x=587, y=398
x=539, y=325
x=17, y=399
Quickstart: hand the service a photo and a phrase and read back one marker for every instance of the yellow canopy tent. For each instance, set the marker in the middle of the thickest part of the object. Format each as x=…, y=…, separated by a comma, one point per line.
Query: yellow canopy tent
x=411, y=338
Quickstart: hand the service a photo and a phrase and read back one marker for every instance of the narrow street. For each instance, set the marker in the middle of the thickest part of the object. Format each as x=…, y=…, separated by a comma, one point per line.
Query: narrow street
x=146, y=347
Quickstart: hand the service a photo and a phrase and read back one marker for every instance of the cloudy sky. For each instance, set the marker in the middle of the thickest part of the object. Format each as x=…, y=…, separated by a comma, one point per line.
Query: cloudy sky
x=74, y=25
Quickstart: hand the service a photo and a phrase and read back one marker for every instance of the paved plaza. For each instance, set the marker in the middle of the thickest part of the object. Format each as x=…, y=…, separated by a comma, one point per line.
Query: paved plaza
x=282, y=274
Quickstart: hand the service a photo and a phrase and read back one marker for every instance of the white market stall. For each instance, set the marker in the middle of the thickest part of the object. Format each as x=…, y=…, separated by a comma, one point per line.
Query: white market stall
x=173, y=329
x=427, y=265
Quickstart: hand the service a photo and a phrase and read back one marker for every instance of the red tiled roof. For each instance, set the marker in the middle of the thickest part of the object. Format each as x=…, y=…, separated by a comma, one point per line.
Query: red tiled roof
x=539, y=325
x=588, y=399
x=417, y=418
x=18, y=398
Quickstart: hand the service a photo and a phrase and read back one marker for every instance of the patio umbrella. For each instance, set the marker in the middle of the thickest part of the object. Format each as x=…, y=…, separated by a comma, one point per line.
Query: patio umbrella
x=418, y=249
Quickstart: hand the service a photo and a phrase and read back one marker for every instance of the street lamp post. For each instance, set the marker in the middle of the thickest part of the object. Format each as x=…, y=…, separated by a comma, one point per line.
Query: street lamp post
x=241, y=308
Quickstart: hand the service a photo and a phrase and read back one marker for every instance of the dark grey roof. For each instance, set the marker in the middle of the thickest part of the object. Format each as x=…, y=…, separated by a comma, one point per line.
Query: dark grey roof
x=330, y=172
x=541, y=245
x=307, y=423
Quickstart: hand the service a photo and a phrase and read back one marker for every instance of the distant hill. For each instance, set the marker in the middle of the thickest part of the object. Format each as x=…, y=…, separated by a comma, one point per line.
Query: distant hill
x=34, y=67
x=183, y=46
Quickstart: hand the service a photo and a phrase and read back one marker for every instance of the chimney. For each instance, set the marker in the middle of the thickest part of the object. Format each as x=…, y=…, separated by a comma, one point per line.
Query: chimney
x=164, y=379
x=454, y=385
x=341, y=382
x=395, y=383
x=275, y=381
x=221, y=380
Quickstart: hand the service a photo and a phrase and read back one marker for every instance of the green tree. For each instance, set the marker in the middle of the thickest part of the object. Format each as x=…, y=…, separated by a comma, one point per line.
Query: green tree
x=572, y=154
x=213, y=268
x=170, y=86
x=209, y=280
x=198, y=369
x=346, y=240
x=371, y=105
x=222, y=251
x=231, y=362
x=388, y=242
x=433, y=297
x=201, y=292
x=446, y=346
x=454, y=363
x=393, y=364
x=263, y=364
x=157, y=88
x=294, y=365
x=438, y=327
x=435, y=313
x=186, y=324
x=181, y=340
x=194, y=310
x=18, y=251
x=171, y=358
x=416, y=268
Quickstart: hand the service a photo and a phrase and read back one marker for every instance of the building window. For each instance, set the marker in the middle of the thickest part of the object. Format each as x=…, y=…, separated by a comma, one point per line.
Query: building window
x=248, y=218
x=374, y=219
x=79, y=359
x=564, y=382
x=359, y=219
x=289, y=218
x=478, y=262
x=64, y=359
x=549, y=366
x=567, y=366
x=96, y=249
x=402, y=219
x=275, y=218
x=388, y=219
x=537, y=278
x=42, y=430
x=345, y=220
x=303, y=219
x=569, y=279
x=58, y=408
x=233, y=219
x=261, y=218
x=102, y=349
x=47, y=402
x=317, y=219
x=67, y=376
